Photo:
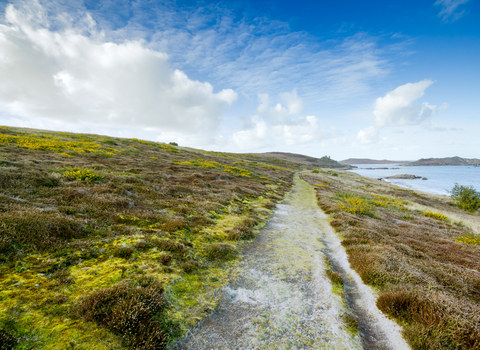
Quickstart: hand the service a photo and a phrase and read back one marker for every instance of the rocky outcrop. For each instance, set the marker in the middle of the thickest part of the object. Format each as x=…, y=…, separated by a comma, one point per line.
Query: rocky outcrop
x=404, y=176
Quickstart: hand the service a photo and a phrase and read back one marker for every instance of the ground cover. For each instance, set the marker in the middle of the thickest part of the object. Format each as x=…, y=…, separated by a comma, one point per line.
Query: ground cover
x=419, y=252
x=142, y=232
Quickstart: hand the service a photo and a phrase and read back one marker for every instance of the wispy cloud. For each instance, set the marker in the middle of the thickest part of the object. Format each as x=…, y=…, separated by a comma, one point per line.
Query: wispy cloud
x=153, y=64
x=450, y=11
x=256, y=54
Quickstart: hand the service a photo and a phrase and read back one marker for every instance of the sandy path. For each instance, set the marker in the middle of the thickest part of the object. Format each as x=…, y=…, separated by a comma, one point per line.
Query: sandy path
x=281, y=297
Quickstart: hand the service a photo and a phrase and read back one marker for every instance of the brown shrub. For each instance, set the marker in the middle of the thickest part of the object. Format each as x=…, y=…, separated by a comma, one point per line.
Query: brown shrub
x=165, y=259
x=201, y=220
x=37, y=231
x=169, y=246
x=173, y=225
x=63, y=277
x=190, y=266
x=123, y=252
x=220, y=251
x=241, y=232
x=269, y=205
x=434, y=320
x=130, y=310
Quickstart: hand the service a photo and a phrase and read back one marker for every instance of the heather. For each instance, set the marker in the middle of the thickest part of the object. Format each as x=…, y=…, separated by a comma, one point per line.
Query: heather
x=419, y=252
x=121, y=243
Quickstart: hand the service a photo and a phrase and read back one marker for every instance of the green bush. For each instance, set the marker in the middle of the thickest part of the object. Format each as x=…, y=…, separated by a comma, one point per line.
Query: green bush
x=466, y=197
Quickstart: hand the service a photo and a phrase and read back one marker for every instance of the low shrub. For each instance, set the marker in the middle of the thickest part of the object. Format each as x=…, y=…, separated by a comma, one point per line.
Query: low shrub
x=190, y=266
x=82, y=174
x=220, y=251
x=357, y=206
x=37, y=231
x=169, y=246
x=165, y=259
x=469, y=238
x=434, y=215
x=123, y=252
x=243, y=231
x=132, y=310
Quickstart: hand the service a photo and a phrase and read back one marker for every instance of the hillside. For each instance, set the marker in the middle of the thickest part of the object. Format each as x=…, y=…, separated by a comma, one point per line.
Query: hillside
x=285, y=158
x=101, y=232
x=353, y=161
x=445, y=161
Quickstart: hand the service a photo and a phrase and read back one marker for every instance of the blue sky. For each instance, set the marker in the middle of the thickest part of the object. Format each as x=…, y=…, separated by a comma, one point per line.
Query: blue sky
x=377, y=79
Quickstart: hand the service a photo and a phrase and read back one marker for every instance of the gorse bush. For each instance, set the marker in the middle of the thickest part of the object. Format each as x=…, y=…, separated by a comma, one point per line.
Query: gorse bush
x=466, y=197
x=469, y=238
x=82, y=174
x=434, y=215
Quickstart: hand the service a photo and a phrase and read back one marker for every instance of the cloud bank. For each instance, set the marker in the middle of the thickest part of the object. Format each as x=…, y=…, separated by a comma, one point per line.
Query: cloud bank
x=75, y=75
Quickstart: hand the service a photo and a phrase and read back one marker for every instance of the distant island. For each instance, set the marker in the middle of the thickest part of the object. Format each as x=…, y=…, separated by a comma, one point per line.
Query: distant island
x=445, y=161
x=324, y=162
x=370, y=161
x=421, y=162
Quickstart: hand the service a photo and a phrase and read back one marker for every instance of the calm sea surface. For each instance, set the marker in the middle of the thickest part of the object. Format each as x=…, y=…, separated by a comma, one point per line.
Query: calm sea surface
x=441, y=179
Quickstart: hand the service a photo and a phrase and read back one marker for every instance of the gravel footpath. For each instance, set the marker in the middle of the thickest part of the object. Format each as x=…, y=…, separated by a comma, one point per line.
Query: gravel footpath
x=281, y=297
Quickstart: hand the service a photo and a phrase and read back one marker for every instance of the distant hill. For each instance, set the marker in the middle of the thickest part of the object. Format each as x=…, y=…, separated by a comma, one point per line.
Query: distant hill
x=285, y=158
x=445, y=161
x=369, y=161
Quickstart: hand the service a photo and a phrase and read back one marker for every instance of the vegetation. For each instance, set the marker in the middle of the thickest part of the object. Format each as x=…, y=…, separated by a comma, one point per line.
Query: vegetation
x=424, y=268
x=466, y=197
x=120, y=243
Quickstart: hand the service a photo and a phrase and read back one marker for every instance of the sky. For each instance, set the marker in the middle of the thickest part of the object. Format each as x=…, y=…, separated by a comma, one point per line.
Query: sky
x=395, y=79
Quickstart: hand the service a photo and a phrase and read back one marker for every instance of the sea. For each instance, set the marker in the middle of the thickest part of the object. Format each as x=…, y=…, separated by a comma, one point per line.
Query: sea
x=440, y=179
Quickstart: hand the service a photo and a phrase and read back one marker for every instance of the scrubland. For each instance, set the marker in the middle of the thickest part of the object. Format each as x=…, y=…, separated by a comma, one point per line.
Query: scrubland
x=109, y=243
x=419, y=252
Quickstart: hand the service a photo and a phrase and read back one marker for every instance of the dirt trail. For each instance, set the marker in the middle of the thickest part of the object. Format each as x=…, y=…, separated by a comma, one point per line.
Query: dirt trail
x=282, y=298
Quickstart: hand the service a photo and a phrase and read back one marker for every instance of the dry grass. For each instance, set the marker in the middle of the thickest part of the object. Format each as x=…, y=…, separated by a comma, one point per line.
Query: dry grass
x=427, y=280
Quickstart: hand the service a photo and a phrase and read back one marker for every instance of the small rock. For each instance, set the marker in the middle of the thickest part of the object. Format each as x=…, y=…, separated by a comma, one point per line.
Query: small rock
x=424, y=178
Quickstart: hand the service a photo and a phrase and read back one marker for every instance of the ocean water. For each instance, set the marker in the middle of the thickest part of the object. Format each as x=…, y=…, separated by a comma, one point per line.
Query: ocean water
x=441, y=179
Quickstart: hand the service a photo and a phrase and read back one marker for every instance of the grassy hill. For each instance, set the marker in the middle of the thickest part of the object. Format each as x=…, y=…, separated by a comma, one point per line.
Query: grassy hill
x=354, y=161
x=285, y=158
x=120, y=243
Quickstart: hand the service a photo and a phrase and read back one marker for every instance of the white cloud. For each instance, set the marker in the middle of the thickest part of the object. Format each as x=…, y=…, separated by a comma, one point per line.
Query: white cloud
x=254, y=137
x=305, y=130
x=397, y=108
x=449, y=9
x=76, y=75
x=279, y=114
x=279, y=125
x=368, y=135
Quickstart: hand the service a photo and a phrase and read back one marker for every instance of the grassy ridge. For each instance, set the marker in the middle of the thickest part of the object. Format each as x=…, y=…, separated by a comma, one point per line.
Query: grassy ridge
x=414, y=251
x=120, y=243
